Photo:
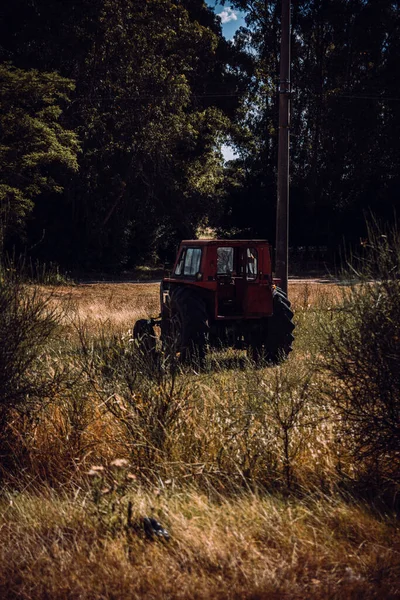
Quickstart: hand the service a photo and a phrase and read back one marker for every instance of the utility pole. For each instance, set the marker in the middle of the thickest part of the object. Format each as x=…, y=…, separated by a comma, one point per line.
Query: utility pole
x=282, y=208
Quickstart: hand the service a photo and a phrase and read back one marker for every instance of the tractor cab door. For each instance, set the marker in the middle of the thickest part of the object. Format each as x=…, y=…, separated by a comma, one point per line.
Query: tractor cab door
x=241, y=292
x=250, y=286
x=227, y=302
x=256, y=291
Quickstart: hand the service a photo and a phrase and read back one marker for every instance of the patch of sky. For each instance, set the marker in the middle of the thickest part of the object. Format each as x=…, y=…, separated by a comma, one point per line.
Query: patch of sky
x=231, y=18
x=229, y=153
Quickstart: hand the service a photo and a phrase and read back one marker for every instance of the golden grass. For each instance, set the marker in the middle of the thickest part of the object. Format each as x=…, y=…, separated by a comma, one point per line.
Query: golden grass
x=230, y=424
x=118, y=305
x=229, y=436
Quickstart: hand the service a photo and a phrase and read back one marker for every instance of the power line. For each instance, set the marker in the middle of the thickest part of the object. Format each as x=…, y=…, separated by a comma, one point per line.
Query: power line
x=237, y=95
x=356, y=97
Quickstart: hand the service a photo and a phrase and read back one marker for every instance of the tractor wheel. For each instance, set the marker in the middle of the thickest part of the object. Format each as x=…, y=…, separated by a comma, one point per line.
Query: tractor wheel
x=143, y=333
x=273, y=343
x=278, y=291
x=187, y=329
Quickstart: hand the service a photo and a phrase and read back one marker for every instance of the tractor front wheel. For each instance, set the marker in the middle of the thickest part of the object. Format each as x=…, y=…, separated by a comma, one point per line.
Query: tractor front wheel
x=144, y=336
x=186, y=330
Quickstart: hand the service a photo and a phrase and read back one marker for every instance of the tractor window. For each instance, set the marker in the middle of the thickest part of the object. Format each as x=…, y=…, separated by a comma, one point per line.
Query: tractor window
x=192, y=261
x=251, y=263
x=179, y=266
x=224, y=261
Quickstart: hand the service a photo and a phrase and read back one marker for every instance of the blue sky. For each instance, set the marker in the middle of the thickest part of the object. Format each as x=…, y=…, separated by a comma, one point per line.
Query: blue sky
x=231, y=18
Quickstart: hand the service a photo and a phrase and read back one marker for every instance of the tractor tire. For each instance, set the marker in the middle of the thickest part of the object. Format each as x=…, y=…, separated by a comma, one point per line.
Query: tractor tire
x=143, y=334
x=273, y=342
x=186, y=331
x=278, y=291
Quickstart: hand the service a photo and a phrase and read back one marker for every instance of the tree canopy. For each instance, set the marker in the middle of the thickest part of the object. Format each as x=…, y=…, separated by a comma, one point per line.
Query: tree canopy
x=114, y=111
x=146, y=74
x=36, y=151
x=345, y=118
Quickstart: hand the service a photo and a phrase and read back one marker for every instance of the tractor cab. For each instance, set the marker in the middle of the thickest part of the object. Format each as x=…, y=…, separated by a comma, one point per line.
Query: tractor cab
x=234, y=275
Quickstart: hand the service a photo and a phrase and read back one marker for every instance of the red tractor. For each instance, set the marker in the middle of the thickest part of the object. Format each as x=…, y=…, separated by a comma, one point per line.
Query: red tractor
x=221, y=293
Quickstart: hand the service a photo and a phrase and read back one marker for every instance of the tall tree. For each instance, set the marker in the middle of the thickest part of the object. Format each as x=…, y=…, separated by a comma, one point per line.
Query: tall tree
x=341, y=97
x=36, y=151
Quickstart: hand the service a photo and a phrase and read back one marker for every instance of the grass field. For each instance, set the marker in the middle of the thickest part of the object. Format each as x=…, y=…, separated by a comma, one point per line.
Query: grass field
x=246, y=468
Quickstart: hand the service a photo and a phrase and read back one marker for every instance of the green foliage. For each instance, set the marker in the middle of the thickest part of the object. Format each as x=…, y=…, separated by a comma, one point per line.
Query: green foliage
x=35, y=149
x=147, y=109
x=344, y=120
x=362, y=353
x=32, y=272
x=145, y=136
x=157, y=88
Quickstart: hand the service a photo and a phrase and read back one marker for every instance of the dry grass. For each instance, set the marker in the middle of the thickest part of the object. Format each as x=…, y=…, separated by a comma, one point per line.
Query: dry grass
x=120, y=302
x=242, y=465
x=118, y=305
x=252, y=547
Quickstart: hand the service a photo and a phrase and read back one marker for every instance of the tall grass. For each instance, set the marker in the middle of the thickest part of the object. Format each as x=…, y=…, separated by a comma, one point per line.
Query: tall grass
x=250, y=468
x=25, y=269
x=31, y=374
x=57, y=546
x=232, y=426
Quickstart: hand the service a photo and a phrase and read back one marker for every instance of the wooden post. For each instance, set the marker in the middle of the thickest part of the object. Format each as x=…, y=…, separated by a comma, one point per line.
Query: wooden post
x=282, y=209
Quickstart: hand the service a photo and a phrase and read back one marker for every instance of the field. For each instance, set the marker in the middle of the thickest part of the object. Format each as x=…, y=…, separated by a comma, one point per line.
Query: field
x=246, y=467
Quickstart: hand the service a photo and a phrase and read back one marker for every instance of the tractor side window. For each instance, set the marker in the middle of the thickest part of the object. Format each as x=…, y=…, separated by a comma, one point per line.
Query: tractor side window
x=251, y=263
x=192, y=261
x=224, y=261
x=179, y=266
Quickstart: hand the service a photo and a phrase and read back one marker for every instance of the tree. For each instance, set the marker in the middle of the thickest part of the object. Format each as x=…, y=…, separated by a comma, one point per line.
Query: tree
x=36, y=150
x=342, y=148
x=251, y=178
x=148, y=110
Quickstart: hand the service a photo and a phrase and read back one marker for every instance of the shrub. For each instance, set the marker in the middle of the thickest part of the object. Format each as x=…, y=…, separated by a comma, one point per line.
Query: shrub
x=362, y=353
x=27, y=323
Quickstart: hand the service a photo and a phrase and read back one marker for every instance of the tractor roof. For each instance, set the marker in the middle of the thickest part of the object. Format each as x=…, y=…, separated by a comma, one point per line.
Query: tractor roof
x=224, y=242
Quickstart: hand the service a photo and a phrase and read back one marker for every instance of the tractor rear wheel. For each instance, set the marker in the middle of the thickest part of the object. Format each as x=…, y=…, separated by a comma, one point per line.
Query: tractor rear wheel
x=186, y=331
x=273, y=342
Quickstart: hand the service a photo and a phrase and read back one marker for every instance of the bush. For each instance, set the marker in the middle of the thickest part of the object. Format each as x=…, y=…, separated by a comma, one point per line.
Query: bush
x=27, y=323
x=362, y=353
